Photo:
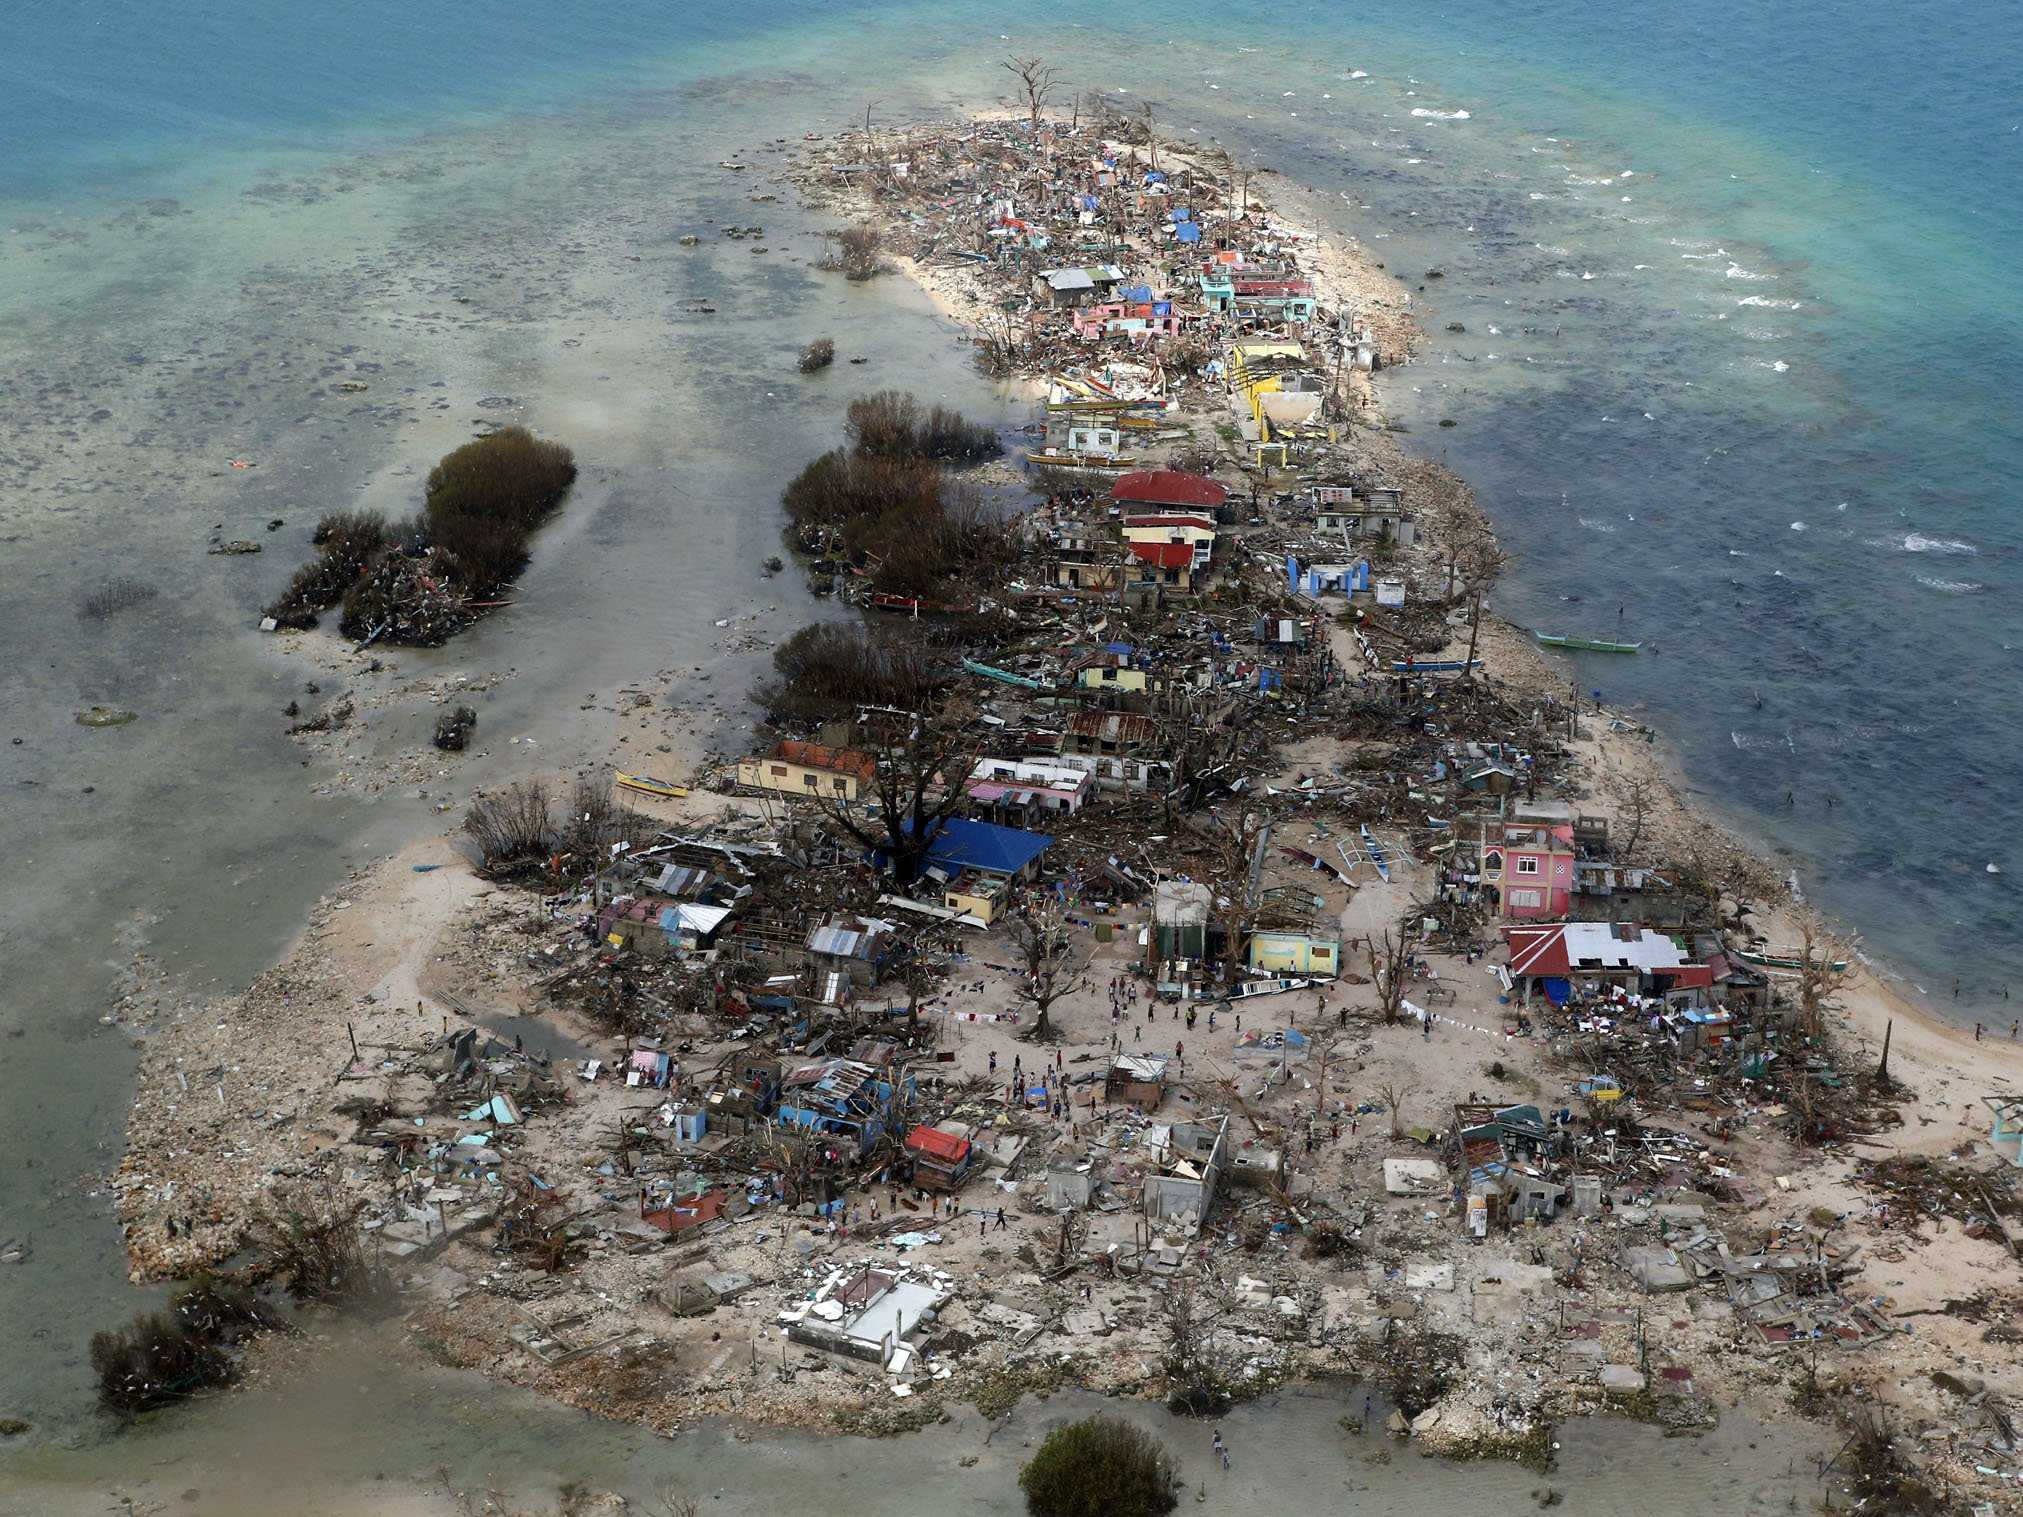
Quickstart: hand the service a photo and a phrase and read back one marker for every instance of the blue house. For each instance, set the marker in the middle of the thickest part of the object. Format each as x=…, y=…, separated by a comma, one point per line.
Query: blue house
x=977, y=863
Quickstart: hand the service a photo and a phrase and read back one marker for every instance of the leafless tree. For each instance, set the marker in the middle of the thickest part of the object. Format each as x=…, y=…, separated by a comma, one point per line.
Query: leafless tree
x=1323, y=1053
x=1151, y=137
x=1389, y=957
x=1049, y=965
x=918, y=784
x=1230, y=844
x=1638, y=797
x=1819, y=977
x=1483, y=564
x=1037, y=79
x=1394, y=1095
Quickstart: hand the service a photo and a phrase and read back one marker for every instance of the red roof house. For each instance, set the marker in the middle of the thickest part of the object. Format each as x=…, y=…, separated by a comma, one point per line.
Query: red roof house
x=1168, y=487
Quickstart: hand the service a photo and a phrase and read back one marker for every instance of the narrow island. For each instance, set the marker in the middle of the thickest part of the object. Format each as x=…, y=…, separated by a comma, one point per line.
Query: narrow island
x=1173, y=940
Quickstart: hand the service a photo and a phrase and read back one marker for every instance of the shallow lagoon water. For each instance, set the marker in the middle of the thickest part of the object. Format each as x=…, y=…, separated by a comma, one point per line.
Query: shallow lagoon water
x=215, y=213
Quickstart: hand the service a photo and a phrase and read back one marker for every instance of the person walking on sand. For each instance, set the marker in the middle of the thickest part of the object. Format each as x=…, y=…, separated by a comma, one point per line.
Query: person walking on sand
x=1180, y=1053
x=1000, y=1219
x=1220, y=1448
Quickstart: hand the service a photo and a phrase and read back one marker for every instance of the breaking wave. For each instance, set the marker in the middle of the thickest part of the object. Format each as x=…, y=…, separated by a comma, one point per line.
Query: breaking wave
x=1949, y=586
x=1420, y=110
x=1736, y=271
x=1948, y=546
x=1768, y=304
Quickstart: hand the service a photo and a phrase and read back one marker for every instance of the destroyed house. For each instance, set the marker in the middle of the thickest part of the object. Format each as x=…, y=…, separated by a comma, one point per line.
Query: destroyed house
x=1488, y=1131
x=1136, y=1079
x=1554, y=959
x=1123, y=749
x=1355, y=513
x=1086, y=557
x=1136, y=320
x=1029, y=785
x=842, y=1099
x=1064, y=289
x=809, y=769
x=868, y=1314
x=941, y=1159
x=1189, y=1159
x=856, y=947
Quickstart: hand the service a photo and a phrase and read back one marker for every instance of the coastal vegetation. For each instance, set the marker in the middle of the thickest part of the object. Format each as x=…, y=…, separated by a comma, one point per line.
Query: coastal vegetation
x=855, y=253
x=423, y=579
x=165, y=1356
x=818, y=355
x=309, y=1243
x=888, y=507
x=1099, y=1467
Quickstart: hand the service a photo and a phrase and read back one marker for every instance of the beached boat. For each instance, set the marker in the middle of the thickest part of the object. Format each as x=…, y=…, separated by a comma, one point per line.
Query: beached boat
x=1251, y=989
x=1584, y=644
x=646, y=784
x=1782, y=958
x=1378, y=857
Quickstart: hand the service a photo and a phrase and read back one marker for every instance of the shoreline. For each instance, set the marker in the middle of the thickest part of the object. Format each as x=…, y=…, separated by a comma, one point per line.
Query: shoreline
x=1931, y=1045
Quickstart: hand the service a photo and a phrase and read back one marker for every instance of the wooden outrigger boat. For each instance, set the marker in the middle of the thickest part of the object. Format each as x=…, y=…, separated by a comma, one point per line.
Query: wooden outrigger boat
x=1584, y=644
x=1775, y=957
x=646, y=784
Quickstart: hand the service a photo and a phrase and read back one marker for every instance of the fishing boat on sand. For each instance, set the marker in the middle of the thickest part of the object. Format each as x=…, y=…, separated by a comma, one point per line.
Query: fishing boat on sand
x=646, y=784
x=1773, y=957
x=1584, y=644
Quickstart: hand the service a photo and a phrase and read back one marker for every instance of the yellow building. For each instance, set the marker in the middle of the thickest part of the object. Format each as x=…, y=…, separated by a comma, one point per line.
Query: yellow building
x=809, y=769
x=1295, y=953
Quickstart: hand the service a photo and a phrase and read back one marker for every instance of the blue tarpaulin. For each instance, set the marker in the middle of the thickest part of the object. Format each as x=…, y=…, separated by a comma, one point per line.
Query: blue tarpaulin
x=1187, y=231
x=1556, y=990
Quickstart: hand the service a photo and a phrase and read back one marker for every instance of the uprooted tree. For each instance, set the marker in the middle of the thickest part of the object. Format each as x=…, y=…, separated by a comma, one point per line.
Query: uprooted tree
x=1049, y=966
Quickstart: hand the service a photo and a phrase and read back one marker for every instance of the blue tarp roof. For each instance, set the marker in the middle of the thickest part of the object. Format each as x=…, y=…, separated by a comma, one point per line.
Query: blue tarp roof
x=965, y=844
x=1135, y=292
x=1187, y=231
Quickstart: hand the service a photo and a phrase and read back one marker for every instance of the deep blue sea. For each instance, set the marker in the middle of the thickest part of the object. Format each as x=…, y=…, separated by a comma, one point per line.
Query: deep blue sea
x=1737, y=285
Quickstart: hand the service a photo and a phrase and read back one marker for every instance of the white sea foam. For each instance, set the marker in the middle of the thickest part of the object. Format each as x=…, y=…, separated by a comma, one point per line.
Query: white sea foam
x=1761, y=334
x=1949, y=586
x=1946, y=546
x=1596, y=526
x=1798, y=526
x=1588, y=179
x=1420, y=110
x=1357, y=74
x=1717, y=253
x=1764, y=303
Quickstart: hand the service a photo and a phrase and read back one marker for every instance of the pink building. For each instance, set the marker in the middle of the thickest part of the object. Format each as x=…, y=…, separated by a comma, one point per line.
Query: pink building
x=1529, y=866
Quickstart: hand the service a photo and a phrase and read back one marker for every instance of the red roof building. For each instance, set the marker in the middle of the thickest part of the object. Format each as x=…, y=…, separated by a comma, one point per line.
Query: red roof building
x=1165, y=555
x=1168, y=487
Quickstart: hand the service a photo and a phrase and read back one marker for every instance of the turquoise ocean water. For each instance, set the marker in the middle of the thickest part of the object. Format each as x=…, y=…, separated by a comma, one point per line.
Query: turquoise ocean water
x=1737, y=284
